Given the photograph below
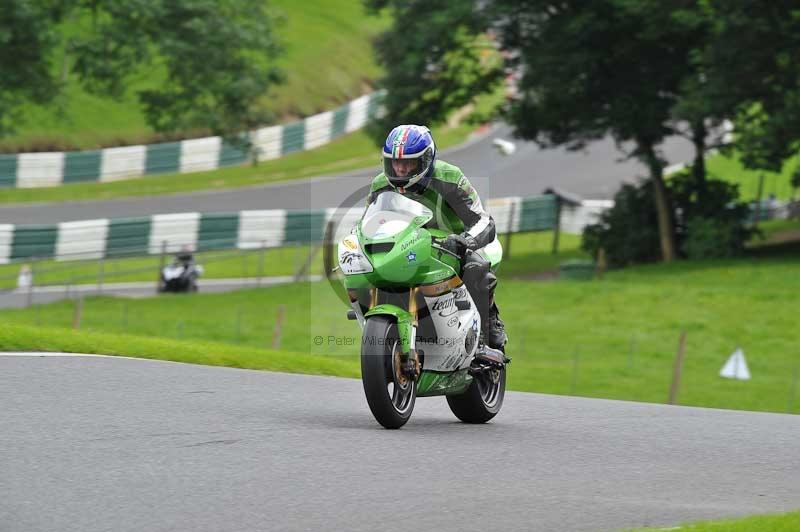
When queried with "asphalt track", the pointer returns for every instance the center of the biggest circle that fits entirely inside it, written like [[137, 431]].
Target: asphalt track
[[595, 173], [99, 443]]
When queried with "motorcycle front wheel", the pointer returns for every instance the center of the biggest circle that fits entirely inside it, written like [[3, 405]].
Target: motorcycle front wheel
[[390, 394]]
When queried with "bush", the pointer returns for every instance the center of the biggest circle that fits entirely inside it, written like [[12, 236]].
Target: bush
[[709, 223], [629, 230], [707, 238]]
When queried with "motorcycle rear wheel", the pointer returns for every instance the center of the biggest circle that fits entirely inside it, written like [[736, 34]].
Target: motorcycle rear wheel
[[482, 400], [390, 396]]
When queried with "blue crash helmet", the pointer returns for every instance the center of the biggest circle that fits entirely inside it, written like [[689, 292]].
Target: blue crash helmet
[[410, 143]]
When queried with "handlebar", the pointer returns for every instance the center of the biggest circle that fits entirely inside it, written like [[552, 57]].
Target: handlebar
[[435, 245]]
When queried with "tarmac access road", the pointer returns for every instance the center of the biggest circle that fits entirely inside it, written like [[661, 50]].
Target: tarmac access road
[[595, 173]]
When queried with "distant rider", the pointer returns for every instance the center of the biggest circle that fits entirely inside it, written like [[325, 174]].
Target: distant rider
[[185, 258]]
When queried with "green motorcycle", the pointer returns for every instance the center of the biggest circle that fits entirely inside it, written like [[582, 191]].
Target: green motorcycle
[[421, 329]]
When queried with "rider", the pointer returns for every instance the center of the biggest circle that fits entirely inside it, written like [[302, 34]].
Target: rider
[[410, 167], [185, 257]]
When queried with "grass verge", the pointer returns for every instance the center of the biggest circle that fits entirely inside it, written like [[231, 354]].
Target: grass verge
[[788, 522], [54, 339]]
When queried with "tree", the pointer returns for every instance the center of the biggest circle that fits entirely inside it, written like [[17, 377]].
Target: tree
[[27, 42], [701, 105], [437, 59], [753, 56], [604, 67], [217, 56], [588, 69], [639, 70]]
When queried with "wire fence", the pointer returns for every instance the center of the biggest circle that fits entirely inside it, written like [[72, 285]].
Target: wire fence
[[72, 278]]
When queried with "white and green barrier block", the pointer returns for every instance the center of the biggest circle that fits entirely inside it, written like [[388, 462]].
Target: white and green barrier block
[[169, 233], [29, 170]]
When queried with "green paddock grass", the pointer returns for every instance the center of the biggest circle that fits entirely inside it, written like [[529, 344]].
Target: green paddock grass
[[615, 338], [329, 60], [729, 168], [350, 152], [776, 231], [530, 255], [788, 522]]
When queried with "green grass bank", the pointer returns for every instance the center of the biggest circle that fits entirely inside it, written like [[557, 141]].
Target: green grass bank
[[317, 80], [613, 338], [788, 522]]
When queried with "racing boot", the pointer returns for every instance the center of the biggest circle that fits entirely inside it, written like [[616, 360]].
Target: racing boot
[[494, 331]]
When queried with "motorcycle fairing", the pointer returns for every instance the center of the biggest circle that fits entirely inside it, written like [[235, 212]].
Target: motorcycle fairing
[[447, 350]]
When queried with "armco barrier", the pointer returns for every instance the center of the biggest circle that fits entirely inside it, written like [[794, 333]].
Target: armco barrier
[[28, 170], [93, 239]]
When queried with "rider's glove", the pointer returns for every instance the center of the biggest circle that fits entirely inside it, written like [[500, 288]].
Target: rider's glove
[[459, 244]]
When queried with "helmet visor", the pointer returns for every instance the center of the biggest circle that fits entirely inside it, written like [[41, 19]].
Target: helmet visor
[[400, 171], [407, 170]]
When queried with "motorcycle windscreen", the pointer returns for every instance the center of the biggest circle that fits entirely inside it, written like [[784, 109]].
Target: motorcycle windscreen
[[390, 214]]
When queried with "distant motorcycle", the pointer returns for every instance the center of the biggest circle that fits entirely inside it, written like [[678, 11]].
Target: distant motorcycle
[[179, 277]]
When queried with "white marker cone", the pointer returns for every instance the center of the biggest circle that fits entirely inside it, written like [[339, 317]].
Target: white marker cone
[[736, 367]]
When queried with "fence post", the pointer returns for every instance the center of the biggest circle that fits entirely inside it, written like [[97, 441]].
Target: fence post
[[557, 228], [510, 229], [29, 300], [101, 273], [304, 269], [631, 352], [574, 384], [261, 261], [602, 263], [77, 315], [276, 333], [677, 370], [758, 199], [238, 324], [161, 263]]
